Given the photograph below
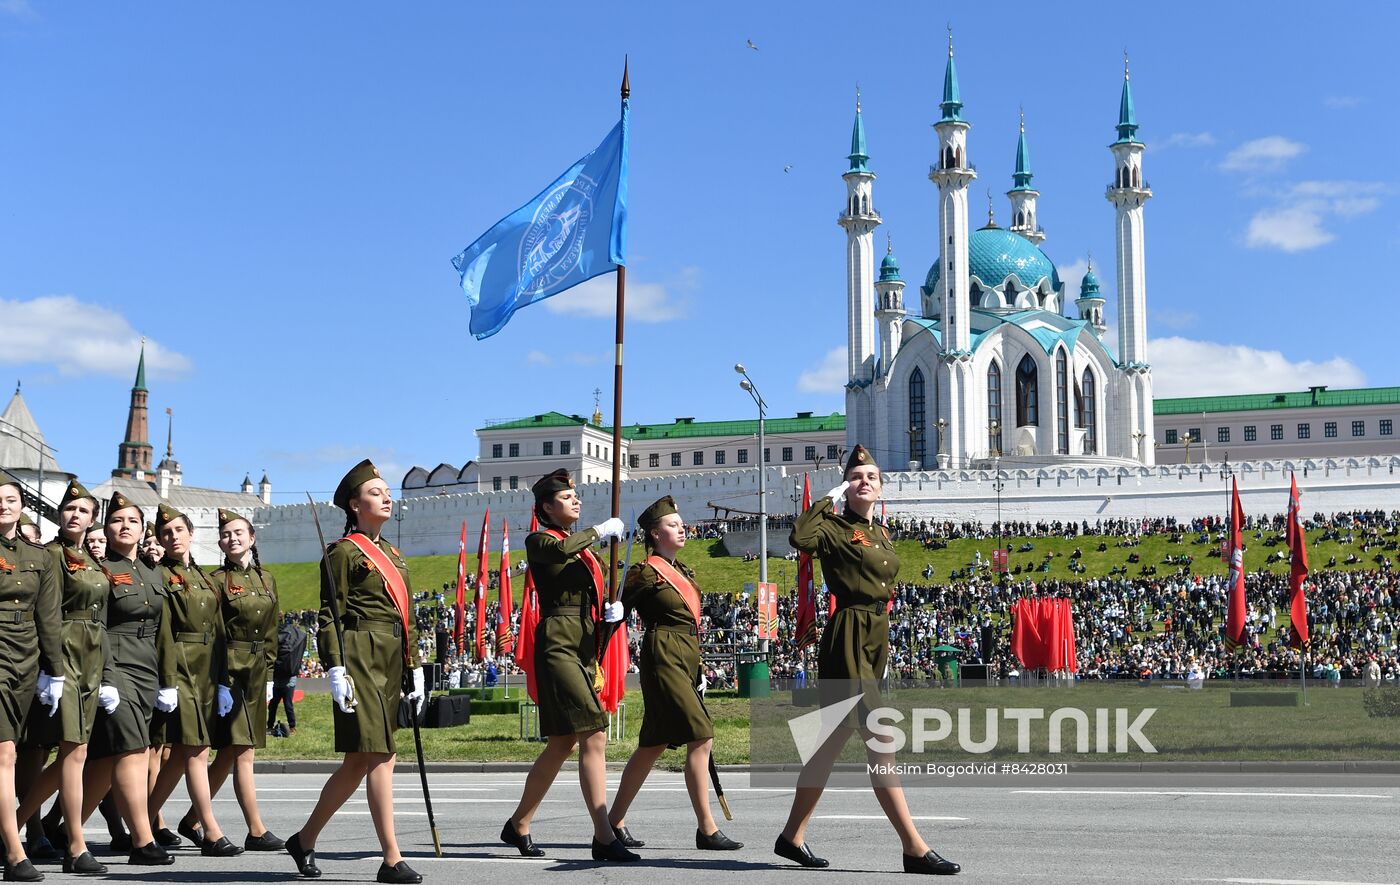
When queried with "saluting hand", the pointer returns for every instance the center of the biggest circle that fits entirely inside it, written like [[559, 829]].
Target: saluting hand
[[610, 528], [838, 493]]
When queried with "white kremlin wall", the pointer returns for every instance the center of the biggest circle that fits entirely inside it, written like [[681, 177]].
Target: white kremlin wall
[[432, 525]]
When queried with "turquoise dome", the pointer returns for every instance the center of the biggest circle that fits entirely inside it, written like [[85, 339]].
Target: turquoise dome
[[1089, 286], [889, 268], [995, 254]]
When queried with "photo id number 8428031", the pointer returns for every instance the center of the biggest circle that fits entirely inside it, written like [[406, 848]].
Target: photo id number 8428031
[[1014, 768]]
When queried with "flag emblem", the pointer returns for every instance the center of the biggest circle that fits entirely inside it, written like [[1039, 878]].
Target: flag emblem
[[553, 244]]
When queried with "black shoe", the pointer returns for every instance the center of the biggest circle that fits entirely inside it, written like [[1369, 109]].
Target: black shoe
[[798, 853], [222, 848], [521, 841], [626, 838], [187, 828], [121, 843], [167, 839], [56, 831], [614, 851], [23, 872], [716, 841], [84, 864], [400, 872], [306, 860], [930, 864], [150, 855], [42, 849], [265, 842]]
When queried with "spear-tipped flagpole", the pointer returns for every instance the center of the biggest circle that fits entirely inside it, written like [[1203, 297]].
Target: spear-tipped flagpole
[[613, 582]]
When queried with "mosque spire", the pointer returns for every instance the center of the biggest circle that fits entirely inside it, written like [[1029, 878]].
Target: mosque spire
[[1023, 175], [952, 96], [141, 368], [858, 155], [1127, 116]]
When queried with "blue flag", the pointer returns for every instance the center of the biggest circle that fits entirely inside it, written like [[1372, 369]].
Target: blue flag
[[572, 231]]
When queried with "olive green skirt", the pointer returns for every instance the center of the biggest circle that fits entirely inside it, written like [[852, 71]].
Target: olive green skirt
[[19, 674], [564, 667], [375, 661], [84, 655], [128, 728], [673, 713], [246, 726], [851, 657]]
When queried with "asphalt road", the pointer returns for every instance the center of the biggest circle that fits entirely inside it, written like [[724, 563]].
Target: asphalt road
[[1276, 829]]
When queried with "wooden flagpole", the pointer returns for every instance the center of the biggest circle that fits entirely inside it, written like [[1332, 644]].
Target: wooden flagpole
[[613, 582]]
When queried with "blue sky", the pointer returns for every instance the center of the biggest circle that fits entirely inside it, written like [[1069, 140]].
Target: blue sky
[[272, 194]]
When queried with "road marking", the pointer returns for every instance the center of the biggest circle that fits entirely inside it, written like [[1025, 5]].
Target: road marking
[[1248, 794], [880, 817], [1291, 882]]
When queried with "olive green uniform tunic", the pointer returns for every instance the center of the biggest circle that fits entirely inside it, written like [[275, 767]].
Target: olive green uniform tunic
[[565, 653], [374, 641], [83, 596], [30, 630], [140, 641], [859, 566], [198, 666], [250, 612], [673, 713]]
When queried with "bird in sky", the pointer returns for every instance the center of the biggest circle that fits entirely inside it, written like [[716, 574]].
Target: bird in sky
[[752, 45], [787, 168]]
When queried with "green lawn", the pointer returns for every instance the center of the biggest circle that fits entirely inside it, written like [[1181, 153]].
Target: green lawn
[[298, 583]]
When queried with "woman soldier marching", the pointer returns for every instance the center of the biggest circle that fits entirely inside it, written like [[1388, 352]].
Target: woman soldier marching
[[248, 596], [569, 581], [139, 640], [364, 580], [84, 587], [860, 566], [194, 680], [31, 650], [664, 593]]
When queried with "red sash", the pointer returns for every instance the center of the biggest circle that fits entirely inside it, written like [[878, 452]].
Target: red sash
[[679, 581], [393, 581], [594, 568]]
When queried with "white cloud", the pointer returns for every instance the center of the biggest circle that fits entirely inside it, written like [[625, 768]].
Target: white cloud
[[645, 302], [1189, 140], [1342, 102], [17, 8], [828, 376], [1072, 275], [78, 338], [538, 358], [1186, 367], [1296, 223], [1174, 319], [1267, 154]]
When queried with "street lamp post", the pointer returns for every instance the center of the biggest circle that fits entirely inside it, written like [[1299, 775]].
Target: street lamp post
[[749, 387]]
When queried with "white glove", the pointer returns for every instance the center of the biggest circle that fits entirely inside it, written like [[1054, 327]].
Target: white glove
[[108, 697], [837, 493], [269, 691], [55, 694], [225, 701], [167, 699], [41, 691], [612, 612], [418, 694], [611, 527], [341, 691]]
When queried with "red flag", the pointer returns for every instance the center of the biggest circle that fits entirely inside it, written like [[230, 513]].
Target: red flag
[[529, 617], [1298, 572], [804, 633], [1235, 612], [1026, 642], [459, 629], [617, 660], [504, 643], [483, 577]]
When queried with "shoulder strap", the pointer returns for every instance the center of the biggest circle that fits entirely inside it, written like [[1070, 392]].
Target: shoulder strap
[[393, 581], [673, 576], [595, 569]]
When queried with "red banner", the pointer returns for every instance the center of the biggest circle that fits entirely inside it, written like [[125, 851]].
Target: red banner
[[505, 644], [1298, 569], [459, 629], [1235, 635], [1042, 634], [529, 617], [999, 558], [483, 577], [804, 632]]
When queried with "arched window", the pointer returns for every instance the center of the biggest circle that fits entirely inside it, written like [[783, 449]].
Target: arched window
[[1020, 219], [865, 204], [1061, 402], [917, 416], [948, 157], [1137, 177], [994, 408], [1027, 393], [960, 158], [1089, 414]]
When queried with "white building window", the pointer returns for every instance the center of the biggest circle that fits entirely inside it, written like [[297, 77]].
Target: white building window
[[1358, 428]]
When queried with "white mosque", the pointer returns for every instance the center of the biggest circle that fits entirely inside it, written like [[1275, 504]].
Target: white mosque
[[985, 365]]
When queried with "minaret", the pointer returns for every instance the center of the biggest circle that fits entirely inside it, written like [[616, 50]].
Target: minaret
[[1023, 195], [889, 293], [1128, 193], [134, 454], [247, 485], [1090, 301], [859, 220], [953, 173], [265, 489]]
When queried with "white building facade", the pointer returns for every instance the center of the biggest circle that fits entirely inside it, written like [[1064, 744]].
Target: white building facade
[[985, 366]]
